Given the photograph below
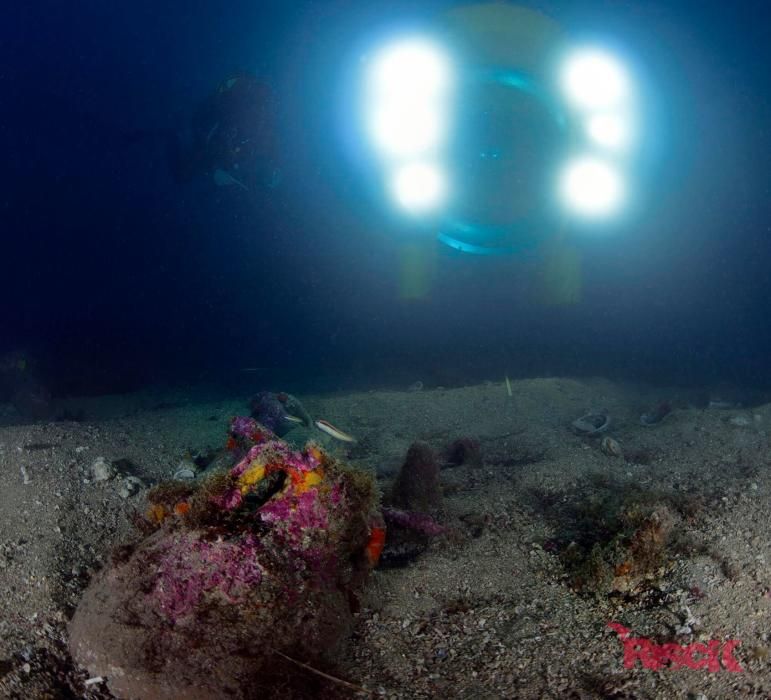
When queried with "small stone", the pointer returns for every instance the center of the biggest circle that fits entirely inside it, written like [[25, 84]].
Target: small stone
[[102, 470], [753, 486], [26, 668], [129, 486]]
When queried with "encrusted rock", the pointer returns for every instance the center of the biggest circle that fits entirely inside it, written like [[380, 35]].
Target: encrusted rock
[[237, 573]]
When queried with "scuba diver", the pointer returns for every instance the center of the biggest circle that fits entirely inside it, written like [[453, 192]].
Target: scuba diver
[[231, 137]]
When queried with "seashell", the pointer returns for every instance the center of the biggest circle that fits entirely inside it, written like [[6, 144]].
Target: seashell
[[186, 470], [611, 447], [592, 424]]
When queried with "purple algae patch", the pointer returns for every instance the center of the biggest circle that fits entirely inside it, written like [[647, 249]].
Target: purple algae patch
[[244, 426], [297, 513], [190, 568]]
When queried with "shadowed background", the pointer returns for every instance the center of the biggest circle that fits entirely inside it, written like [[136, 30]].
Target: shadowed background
[[115, 277]]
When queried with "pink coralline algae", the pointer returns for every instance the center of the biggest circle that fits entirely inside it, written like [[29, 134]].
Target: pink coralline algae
[[267, 555], [297, 514], [276, 451], [275, 448], [297, 522], [244, 427], [191, 568], [657, 657], [229, 500]]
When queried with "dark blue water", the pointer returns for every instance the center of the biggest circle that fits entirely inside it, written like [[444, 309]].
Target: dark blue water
[[113, 276]]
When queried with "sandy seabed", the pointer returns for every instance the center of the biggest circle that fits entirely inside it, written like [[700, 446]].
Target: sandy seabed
[[487, 611]]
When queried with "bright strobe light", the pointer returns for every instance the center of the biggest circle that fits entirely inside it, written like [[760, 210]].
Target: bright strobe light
[[410, 68], [419, 187], [406, 108], [610, 131], [594, 80], [403, 130], [591, 187]]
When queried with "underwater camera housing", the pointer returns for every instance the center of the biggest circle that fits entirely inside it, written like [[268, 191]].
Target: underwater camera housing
[[494, 133]]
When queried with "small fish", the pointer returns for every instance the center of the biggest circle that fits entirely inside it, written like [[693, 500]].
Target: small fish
[[508, 385], [293, 419], [329, 429]]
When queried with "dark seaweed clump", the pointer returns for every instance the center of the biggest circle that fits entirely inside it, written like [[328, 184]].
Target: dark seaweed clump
[[617, 539]]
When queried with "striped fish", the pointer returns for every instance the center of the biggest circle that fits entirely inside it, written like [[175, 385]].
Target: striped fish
[[329, 429]]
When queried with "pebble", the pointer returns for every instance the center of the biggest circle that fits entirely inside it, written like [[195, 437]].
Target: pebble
[[102, 470], [130, 486]]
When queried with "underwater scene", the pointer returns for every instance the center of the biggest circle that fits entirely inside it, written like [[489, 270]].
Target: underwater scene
[[399, 350]]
